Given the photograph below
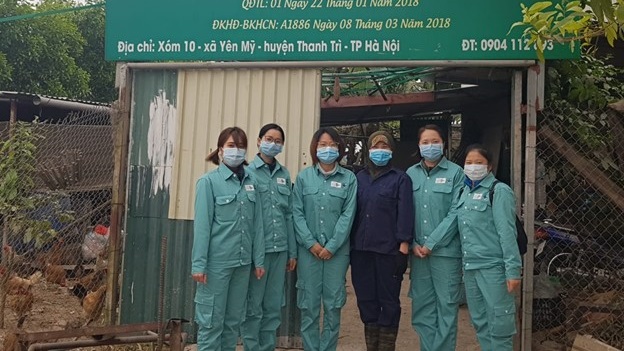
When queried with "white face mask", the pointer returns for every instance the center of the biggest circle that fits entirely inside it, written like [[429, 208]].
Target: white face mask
[[476, 172]]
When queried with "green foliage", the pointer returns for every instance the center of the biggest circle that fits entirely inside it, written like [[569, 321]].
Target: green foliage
[[570, 21], [102, 73], [577, 94], [42, 51], [59, 55], [18, 198]]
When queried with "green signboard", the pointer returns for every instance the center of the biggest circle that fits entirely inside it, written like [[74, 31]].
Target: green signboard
[[318, 30]]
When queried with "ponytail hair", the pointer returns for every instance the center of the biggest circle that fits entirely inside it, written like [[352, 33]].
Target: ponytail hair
[[239, 136]]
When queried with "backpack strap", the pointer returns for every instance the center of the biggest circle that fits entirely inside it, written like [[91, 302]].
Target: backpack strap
[[492, 191]]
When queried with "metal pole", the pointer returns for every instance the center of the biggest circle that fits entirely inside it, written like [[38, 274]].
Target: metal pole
[[516, 138], [516, 165], [91, 342], [121, 122], [529, 209], [161, 293], [323, 64], [177, 338]]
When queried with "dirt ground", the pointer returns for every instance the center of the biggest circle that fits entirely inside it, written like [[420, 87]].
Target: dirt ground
[[56, 309], [352, 330]]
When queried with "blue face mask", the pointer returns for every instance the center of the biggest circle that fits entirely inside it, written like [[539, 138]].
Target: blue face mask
[[380, 157], [327, 155], [270, 149], [431, 152], [233, 156]]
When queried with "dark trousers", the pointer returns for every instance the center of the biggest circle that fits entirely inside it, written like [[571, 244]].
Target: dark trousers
[[376, 288]]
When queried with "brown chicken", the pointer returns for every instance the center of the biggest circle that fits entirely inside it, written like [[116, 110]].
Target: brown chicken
[[93, 303], [21, 303], [15, 283], [94, 280], [53, 256], [20, 297], [55, 274]]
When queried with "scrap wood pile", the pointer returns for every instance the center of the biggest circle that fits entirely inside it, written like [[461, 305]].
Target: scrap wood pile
[[600, 316]]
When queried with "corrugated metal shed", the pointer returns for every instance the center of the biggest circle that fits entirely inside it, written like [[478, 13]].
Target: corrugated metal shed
[[211, 100], [154, 101], [176, 119]]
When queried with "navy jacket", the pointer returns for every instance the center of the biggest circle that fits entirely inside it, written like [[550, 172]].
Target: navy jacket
[[385, 212]]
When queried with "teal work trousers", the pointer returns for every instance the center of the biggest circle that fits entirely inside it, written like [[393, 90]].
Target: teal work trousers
[[264, 304], [492, 308], [319, 280], [435, 291], [220, 307]]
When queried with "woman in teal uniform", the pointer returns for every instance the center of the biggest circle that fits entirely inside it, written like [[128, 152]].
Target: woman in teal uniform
[[491, 258], [264, 304], [435, 280], [323, 212], [228, 239]]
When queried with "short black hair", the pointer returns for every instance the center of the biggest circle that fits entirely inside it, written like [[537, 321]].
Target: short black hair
[[270, 126], [434, 127], [335, 137], [481, 150]]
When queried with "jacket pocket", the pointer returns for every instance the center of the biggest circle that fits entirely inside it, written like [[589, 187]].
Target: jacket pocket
[[225, 208], [284, 198], [480, 206], [251, 196], [283, 190], [310, 190], [504, 323], [387, 195], [445, 188], [204, 311], [338, 193]]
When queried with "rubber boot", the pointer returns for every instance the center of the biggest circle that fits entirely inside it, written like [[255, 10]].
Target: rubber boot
[[371, 334], [387, 339]]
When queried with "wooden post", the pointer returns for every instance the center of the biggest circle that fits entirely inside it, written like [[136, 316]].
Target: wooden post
[[121, 124], [529, 206]]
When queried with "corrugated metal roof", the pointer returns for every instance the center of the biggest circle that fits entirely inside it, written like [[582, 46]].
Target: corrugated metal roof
[[211, 100], [52, 101]]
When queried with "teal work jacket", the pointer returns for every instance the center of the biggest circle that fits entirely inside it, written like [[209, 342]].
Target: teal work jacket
[[324, 208], [228, 228]]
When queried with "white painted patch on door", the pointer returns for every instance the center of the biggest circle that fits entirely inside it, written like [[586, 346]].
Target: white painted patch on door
[[161, 137]]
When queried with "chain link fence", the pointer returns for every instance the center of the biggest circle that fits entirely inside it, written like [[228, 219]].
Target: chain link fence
[[55, 220], [579, 230]]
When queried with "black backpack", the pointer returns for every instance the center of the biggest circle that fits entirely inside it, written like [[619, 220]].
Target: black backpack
[[521, 237]]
